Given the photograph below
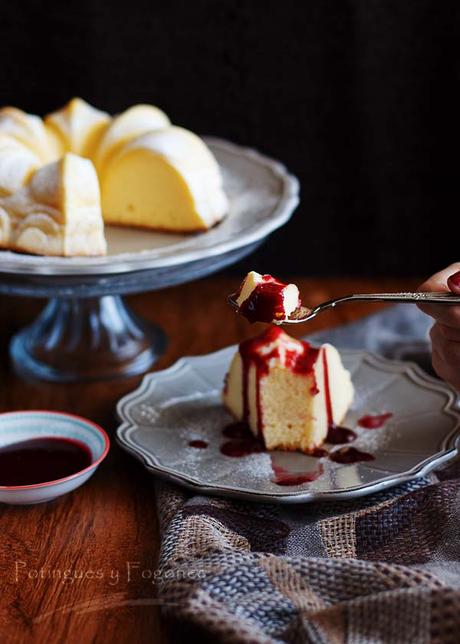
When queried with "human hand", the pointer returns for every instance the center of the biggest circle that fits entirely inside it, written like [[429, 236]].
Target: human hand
[[445, 333]]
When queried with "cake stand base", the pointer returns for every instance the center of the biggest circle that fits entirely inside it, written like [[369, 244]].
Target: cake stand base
[[95, 338]]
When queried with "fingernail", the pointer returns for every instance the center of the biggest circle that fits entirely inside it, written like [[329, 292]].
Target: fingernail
[[453, 281]]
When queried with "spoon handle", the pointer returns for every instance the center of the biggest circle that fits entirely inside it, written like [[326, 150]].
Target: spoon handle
[[431, 298], [417, 297]]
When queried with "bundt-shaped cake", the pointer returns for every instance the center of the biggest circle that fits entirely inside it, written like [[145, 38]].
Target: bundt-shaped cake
[[63, 176]]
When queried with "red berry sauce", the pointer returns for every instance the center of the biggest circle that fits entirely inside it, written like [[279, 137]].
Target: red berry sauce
[[374, 421], [266, 302], [41, 460], [350, 455], [284, 477], [198, 444]]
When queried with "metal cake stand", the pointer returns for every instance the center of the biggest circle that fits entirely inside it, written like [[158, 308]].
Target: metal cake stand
[[86, 331]]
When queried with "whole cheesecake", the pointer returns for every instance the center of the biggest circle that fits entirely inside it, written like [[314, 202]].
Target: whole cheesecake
[[287, 391], [149, 174]]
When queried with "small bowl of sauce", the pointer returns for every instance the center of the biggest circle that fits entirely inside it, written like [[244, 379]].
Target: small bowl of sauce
[[45, 454]]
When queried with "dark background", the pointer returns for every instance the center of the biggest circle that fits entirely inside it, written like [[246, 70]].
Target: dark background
[[358, 98]]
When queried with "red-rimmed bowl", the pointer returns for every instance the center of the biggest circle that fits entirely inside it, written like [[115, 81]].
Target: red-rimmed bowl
[[20, 426]]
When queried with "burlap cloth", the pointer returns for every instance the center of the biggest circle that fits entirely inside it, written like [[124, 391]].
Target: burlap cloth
[[385, 568]]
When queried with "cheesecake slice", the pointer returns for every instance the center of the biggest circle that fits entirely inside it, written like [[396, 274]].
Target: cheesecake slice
[[287, 391], [57, 212], [263, 298], [165, 180]]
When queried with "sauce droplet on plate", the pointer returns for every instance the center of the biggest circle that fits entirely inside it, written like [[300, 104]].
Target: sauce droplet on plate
[[241, 447], [350, 455], [337, 435], [198, 444], [41, 460], [237, 430], [317, 452], [374, 421], [284, 477], [244, 442]]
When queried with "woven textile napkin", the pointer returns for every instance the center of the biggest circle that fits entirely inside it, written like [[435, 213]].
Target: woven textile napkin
[[385, 568]]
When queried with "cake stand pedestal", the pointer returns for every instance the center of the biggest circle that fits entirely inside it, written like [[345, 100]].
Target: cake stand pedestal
[[86, 331], [86, 339]]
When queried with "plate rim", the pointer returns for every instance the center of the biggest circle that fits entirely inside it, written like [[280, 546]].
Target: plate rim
[[145, 260], [448, 450]]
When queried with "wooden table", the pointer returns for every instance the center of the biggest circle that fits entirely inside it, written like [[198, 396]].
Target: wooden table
[[80, 568]]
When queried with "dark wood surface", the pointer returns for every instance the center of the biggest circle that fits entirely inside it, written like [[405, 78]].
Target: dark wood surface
[[64, 565]]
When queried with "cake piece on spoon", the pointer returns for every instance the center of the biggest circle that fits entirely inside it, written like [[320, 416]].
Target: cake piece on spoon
[[263, 298], [287, 391]]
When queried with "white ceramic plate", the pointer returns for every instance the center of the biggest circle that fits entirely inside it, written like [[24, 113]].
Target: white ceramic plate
[[262, 196], [182, 403]]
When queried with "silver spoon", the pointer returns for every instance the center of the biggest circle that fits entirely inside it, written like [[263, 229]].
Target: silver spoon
[[303, 314]]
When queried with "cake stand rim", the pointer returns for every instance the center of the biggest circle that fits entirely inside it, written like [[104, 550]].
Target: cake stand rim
[[124, 284]]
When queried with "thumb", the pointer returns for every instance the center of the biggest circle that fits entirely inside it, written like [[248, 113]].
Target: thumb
[[453, 282]]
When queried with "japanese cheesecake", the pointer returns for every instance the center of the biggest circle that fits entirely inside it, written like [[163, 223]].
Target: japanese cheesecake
[[286, 390], [263, 298], [148, 174]]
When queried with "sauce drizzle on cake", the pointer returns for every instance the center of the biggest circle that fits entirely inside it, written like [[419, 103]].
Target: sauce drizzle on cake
[[266, 302], [252, 354]]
